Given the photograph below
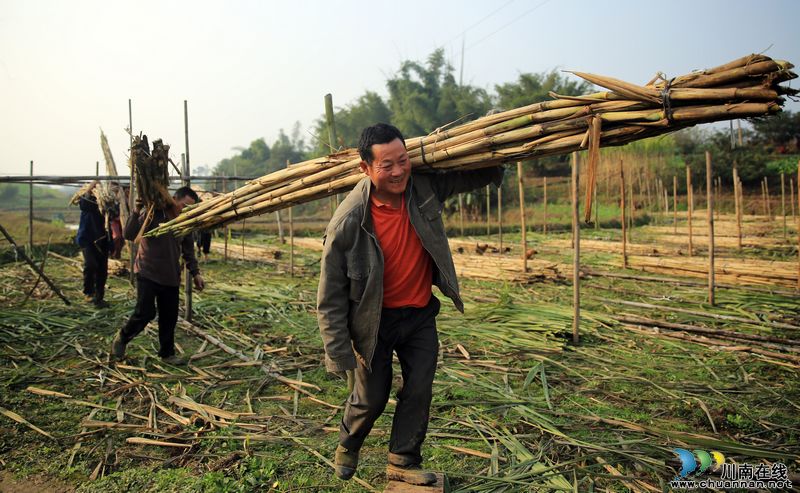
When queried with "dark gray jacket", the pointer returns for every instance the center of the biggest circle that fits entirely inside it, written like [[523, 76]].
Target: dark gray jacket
[[350, 294]]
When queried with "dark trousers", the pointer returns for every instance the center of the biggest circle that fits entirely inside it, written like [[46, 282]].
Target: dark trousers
[[95, 272], [411, 333], [204, 242], [148, 295]]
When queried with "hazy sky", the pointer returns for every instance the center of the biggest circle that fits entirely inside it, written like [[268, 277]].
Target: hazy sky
[[250, 68]]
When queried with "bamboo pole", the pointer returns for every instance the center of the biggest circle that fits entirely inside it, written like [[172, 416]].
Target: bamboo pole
[[798, 225], [522, 228], [738, 208], [488, 212], [291, 237], [783, 205], [187, 291], [623, 221], [30, 213], [461, 213], [767, 198], [674, 204], [632, 201], [332, 141], [596, 210], [576, 252], [544, 220], [227, 231], [131, 195], [791, 197], [500, 217], [710, 204], [689, 206]]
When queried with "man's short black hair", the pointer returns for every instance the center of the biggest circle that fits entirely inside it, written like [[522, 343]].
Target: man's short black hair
[[184, 191], [380, 133]]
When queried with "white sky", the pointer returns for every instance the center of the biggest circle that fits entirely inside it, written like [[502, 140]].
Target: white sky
[[249, 68]]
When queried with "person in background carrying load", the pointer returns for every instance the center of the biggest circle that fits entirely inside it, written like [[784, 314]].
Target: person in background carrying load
[[384, 248], [158, 278], [95, 245]]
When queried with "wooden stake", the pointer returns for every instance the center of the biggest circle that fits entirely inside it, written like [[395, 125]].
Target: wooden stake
[[131, 196], [689, 206], [623, 219], [488, 212], [544, 221], [791, 196], [766, 192], [738, 208], [783, 205], [461, 212], [674, 204], [500, 217], [30, 212], [576, 252], [187, 287], [226, 232], [520, 182], [291, 237], [710, 204]]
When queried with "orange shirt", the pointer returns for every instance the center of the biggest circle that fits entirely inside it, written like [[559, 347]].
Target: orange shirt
[[407, 266]]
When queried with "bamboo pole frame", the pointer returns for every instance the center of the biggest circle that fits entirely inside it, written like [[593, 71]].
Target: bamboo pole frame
[[522, 228], [737, 208], [689, 206], [488, 212], [783, 204], [291, 237], [710, 214], [30, 213], [185, 167], [544, 220], [500, 217], [461, 213], [674, 204], [576, 252], [623, 221]]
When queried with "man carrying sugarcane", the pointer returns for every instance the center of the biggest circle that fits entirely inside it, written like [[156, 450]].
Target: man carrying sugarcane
[[158, 277], [95, 245], [384, 249]]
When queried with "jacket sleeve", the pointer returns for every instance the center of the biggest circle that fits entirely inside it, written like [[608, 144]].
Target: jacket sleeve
[[333, 303], [455, 182], [189, 258], [133, 225]]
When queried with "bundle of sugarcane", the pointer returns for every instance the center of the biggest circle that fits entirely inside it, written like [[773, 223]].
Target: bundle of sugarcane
[[97, 191], [728, 271], [746, 87], [151, 169]]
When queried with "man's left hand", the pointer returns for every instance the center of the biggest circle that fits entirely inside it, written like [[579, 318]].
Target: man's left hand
[[199, 283]]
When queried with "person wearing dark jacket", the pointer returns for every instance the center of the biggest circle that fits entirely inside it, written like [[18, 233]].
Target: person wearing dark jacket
[[95, 245], [384, 249], [158, 277]]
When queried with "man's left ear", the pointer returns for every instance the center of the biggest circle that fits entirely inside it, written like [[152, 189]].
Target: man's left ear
[[363, 165]]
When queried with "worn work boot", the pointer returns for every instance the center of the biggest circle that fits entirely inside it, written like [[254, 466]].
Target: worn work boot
[[118, 348], [100, 304], [346, 462], [410, 474], [174, 360]]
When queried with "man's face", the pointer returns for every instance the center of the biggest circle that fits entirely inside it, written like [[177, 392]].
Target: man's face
[[183, 202], [390, 169]]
